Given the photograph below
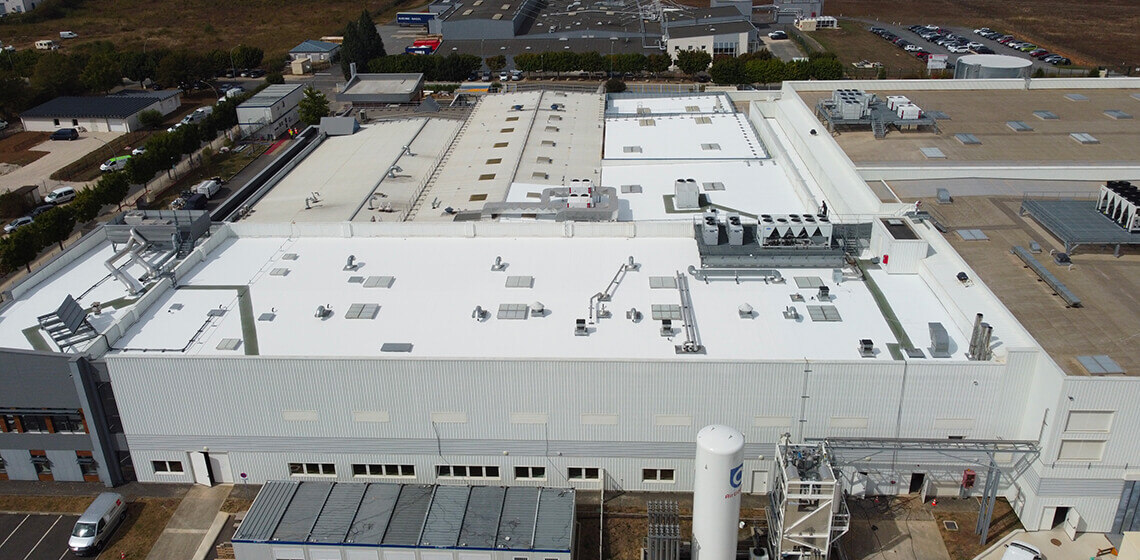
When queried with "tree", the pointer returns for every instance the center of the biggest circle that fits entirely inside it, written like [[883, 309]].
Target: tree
[[361, 44], [528, 62], [21, 249], [727, 71], [113, 187], [351, 50], [137, 66], [141, 168], [615, 85], [101, 74], [274, 78], [86, 205], [313, 106], [658, 62], [769, 71], [151, 118], [691, 62], [496, 63], [248, 57], [373, 43], [55, 225], [55, 75], [591, 62], [14, 94]]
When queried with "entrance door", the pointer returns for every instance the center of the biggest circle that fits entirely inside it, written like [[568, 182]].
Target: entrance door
[[925, 489], [1072, 523], [201, 468], [759, 482], [220, 468], [917, 480]]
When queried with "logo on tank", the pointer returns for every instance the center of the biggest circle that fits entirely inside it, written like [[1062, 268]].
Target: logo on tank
[[736, 476]]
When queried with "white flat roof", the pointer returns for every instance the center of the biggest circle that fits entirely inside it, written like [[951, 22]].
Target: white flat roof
[[751, 187], [634, 106], [437, 283], [384, 84], [346, 170], [692, 137]]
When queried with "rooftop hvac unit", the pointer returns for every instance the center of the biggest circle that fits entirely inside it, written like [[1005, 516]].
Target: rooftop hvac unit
[[710, 230], [909, 111], [794, 229], [686, 195], [893, 101], [735, 230]]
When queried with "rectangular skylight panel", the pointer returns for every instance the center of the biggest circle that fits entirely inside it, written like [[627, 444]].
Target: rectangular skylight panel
[[1018, 126], [665, 311]]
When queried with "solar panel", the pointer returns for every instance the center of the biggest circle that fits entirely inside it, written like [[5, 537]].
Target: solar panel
[[713, 186], [396, 347], [1046, 115], [289, 257], [279, 272], [362, 311], [379, 281], [938, 115], [932, 152], [1136, 96], [1019, 126], [968, 139], [1099, 364], [808, 282], [513, 311], [627, 189], [216, 312], [229, 344], [665, 311], [971, 235], [71, 314], [668, 282], [267, 317], [824, 313], [520, 281], [355, 279]]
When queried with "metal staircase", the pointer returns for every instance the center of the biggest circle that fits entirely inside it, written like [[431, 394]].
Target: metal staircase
[[879, 128]]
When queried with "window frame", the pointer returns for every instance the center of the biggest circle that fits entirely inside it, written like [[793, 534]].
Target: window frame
[[530, 472], [657, 475], [584, 474], [168, 466], [307, 468]]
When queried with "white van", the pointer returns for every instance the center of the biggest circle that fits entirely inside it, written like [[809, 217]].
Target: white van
[[46, 45], [209, 187], [68, 35], [60, 195], [1018, 550], [96, 525]]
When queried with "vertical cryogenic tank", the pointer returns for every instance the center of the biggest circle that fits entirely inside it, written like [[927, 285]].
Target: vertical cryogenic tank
[[716, 492]]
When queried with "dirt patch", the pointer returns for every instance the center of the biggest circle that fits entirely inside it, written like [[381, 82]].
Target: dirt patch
[[52, 504], [146, 519], [852, 42], [1096, 32], [21, 158], [22, 141], [963, 543], [236, 505]]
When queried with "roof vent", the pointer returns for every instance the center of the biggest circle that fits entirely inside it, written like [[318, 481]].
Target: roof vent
[[480, 314], [351, 263], [323, 312], [745, 311], [499, 265], [580, 328]]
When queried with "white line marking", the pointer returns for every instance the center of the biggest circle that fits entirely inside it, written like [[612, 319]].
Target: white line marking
[[43, 537], [65, 551], [14, 531]]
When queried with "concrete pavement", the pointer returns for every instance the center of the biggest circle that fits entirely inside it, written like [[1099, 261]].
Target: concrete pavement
[[1054, 544], [190, 524], [60, 153]]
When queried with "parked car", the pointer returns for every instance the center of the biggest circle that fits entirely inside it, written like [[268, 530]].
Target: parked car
[[957, 49], [138, 151], [1038, 53], [18, 223], [60, 195], [504, 76], [114, 164], [256, 73], [65, 134], [1018, 550], [40, 210], [1061, 61], [516, 75], [777, 35], [984, 50], [1028, 47], [974, 45], [486, 76], [68, 35]]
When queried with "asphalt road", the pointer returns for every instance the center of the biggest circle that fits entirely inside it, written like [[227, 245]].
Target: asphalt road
[[35, 537], [783, 49], [998, 48]]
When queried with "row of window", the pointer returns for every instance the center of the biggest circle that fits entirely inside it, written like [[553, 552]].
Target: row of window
[[43, 424], [445, 471], [43, 465]]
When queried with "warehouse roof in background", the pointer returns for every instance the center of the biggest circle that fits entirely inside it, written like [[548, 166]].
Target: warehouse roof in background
[[110, 106], [460, 517], [311, 46]]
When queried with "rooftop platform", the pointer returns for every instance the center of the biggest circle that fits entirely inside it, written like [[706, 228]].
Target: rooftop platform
[[748, 187], [417, 297], [270, 96], [985, 113], [371, 84], [633, 104], [346, 170], [698, 137], [1077, 222]]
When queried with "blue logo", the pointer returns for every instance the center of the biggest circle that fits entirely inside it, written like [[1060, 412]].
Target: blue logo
[[736, 476]]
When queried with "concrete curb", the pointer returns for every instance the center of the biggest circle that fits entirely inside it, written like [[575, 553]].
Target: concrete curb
[[208, 541], [1000, 543], [40, 513]]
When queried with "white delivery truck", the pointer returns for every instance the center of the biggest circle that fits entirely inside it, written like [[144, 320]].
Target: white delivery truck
[[209, 187], [96, 525]]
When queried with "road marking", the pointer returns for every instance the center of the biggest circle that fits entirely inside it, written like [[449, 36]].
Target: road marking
[[187, 531], [14, 531], [43, 537], [65, 551]]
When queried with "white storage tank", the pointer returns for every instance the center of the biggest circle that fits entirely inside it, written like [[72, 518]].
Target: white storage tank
[[716, 492], [975, 66]]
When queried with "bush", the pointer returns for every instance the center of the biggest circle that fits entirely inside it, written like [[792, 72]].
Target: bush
[[150, 118], [614, 85], [274, 78], [13, 205]]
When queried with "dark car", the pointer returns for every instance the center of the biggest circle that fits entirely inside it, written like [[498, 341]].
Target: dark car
[[65, 134], [1061, 61], [40, 209], [256, 73], [984, 50]]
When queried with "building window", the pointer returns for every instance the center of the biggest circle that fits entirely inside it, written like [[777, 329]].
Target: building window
[[41, 463], [584, 473], [34, 424], [87, 466], [360, 469], [1081, 450], [68, 423], [657, 475], [74, 122], [10, 424], [466, 471], [55, 122], [530, 473], [313, 469], [167, 467]]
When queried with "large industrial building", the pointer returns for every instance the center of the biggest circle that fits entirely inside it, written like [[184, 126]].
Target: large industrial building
[[561, 289]]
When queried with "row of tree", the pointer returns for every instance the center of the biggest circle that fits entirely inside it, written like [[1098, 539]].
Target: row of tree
[[451, 68], [755, 69], [30, 77]]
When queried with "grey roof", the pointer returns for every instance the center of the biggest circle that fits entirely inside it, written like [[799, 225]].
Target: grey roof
[[445, 519], [405, 529], [516, 526], [454, 517], [313, 46], [160, 94], [270, 95], [109, 106], [297, 523], [702, 30], [336, 517], [481, 524], [266, 511], [694, 15]]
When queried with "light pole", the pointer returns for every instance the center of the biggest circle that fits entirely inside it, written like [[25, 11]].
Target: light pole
[[233, 68]]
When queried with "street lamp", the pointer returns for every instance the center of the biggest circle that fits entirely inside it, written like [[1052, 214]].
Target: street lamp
[[233, 68]]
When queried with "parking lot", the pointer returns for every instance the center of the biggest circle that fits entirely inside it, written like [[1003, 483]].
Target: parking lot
[[968, 33], [59, 154], [35, 537]]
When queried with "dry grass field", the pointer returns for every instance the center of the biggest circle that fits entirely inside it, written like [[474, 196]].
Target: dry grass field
[[273, 25], [1091, 32]]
